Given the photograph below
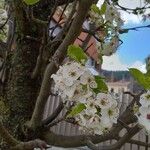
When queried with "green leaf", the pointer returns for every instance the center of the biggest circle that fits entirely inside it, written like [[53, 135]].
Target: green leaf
[[77, 53], [31, 2], [101, 85], [76, 110], [95, 9], [99, 11], [140, 77], [148, 74], [103, 8]]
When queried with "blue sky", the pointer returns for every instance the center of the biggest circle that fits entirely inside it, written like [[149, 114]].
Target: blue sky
[[136, 44]]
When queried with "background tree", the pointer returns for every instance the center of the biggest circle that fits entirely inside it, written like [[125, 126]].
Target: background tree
[[30, 55]]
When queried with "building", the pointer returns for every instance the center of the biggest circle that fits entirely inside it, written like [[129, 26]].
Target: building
[[119, 86], [56, 26]]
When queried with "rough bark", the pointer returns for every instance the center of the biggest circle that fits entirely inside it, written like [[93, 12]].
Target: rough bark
[[21, 90]]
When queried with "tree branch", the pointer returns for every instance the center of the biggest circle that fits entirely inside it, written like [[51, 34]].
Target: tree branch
[[53, 115], [3, 49], [74, 141], [49, 2], [133, 29], [119, 143], [38, 65], [138, 143], [6, 136], [31, 145], [59, 55], [127, 117]]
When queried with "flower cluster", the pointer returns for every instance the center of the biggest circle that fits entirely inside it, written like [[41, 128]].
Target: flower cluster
[[100, 114], [75, 83], [108, 48], [143, 113], [110, 24]]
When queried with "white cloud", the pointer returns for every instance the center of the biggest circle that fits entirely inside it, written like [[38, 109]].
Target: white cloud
[[130, 18], [131, 3], [114, 63], [139, 65]]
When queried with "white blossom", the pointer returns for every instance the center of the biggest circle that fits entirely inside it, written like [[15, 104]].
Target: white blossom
[[88, 79], [111, 113], [145, 99], [71, 73], [104, 100], [144, 122], [74, 83], [143, 112]]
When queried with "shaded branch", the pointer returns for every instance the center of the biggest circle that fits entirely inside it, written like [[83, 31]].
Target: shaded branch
[[31, 145], [124, 125], [130, 93], [3, 49], [17, 145], [131, 9], [38, 65], [133, 29], [119, 143], [55, 122], [140, 143], [60, 18], [53, 115], [44, 3], [59, 55], [93, 34], [7, 136], [74, 141]]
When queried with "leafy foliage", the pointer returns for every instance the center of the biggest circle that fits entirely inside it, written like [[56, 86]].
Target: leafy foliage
[[101, 85], [31, 2], [77, 109], [141, 78], [101, 11], [76, 53], [103, 8]]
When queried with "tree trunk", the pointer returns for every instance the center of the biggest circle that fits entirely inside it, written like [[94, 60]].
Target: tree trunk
[[21, 89]]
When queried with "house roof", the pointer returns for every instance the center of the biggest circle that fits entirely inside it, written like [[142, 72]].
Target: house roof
[[91, 51]]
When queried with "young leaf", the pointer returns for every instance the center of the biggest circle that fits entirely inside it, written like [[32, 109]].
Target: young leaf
[[31, 2], [76, 110], [103, 8], [101, 85], [95, 9], [76, 53], [99, 11], [140, 77]]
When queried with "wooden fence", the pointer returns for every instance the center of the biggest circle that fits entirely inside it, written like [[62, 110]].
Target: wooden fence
[[68, 129]]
